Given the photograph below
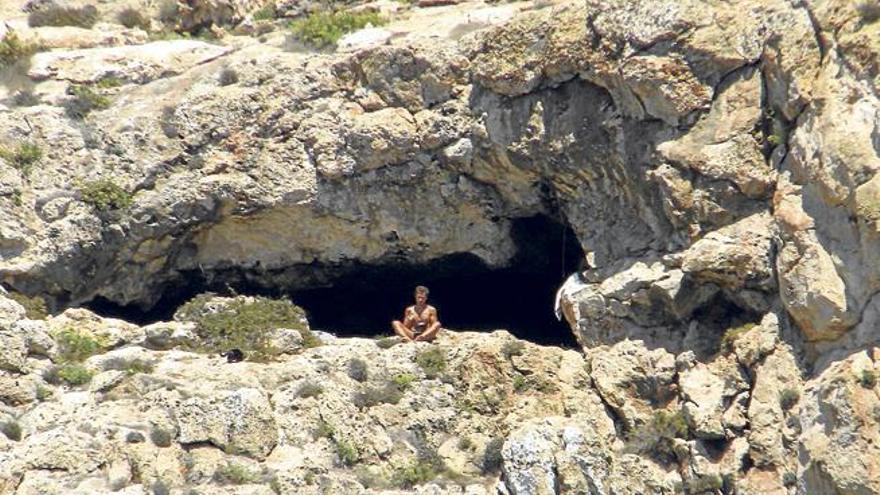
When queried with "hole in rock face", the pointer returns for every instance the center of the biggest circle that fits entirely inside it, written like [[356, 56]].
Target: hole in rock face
[[468, 295]]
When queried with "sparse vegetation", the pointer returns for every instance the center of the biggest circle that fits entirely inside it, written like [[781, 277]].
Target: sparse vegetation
[[84, 100], [25, 97], [135, 437], [44, 393], [705, 484], [322, 29], [168, 11], [11, 429], [432, 362], [34, 307], [357, 370], [73, 374], [413, 474], [109, 82], [160, 436], [372, 396], [512, 348], [324, 430], [131, 366], [465, 443], [160, 488], [244, 324], [656, 437], [267, 13], [867, 378], [75, 346], [235, 474], [104, 195], [13, 49], [403, 381], [788, 397], [309, 389], [492, 458], [732, 334], [387, 342], [57, 15], [869, 10], [348, 454], [23, 157], [774, 139], [789, 478], [131, 17], [519, 383], [227, 76]]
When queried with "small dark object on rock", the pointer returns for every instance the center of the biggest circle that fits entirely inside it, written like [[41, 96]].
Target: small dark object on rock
[[233, 355]]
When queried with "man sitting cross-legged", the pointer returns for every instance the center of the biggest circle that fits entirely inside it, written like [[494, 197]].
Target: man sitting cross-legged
[[420, 323]]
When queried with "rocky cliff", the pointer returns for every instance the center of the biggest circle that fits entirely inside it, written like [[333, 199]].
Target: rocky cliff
[[716, 162]]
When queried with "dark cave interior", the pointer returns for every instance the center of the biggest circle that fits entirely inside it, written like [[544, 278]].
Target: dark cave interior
[[468, 295]]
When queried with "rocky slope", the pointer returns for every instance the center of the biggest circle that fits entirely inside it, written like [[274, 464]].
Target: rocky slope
[[717, 163]]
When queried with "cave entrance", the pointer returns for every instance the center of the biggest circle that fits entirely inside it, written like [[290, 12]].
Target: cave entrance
[[468, 295], [363, 299]]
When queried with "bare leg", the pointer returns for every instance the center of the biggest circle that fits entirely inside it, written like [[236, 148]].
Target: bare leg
[[430, 333], [401, 330]]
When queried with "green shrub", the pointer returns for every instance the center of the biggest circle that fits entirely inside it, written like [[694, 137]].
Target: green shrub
[[492, 458], [57, 15], [403, 381], [869, 10], [324, 430], [34, 307], [84, 100], [131, 17], [732, 334], [788, 397], [867, 378], [75, 346], [323, 29], [44, 393], [11, 429], [131, 366], [160, 436], [25, 97], [432, 362], [227, 76], [105, 195], [357, 370], [348, 454], [372, 396], [413, 474], [244, 324], [109, 82], [13, 49], [519, 383], [387, 342], [705, 484], [465, 443], [267, 13], [235, 474], [23, 157], [72, 374], [656, 437], [512, 348], [309, 389]]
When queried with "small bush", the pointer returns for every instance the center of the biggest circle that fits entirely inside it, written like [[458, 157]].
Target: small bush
[[867, 378], [465, 443], [324, 430], [711, 484], [25, 97], [135, 437], [372, 396], [869, 10], [492, 458], [519, 383], [72, 374], [13, 49], [323, 29], [130, 366], [131, 17], [227, 76], [104, 195], [432, 362], [11, 429], [512, 348], [109, 82], [656, 438], [309, 389], [357, 370], [160, 488], [348, 454], [788, 397], [267, 13], [160, 436], [34, 307], [403, 381], [84, 101], [415, 473], [56, 15], [168, 11], [789, 479], [387, 342], [44, 393], [732, 334], [23, 157], [76, 346], [235, 474], [243, 324]]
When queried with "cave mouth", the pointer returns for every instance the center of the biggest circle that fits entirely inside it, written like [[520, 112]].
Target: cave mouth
[[362, 300]]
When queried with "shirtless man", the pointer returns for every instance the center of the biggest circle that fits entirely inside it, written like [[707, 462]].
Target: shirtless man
[[420, 323]]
